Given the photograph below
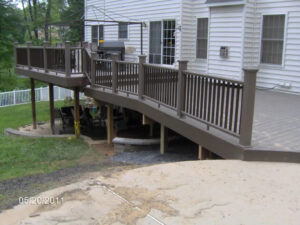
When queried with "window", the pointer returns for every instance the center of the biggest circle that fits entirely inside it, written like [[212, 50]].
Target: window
[[202, 34], [272, 39], [123, 30], [97, 33], [169, 42]]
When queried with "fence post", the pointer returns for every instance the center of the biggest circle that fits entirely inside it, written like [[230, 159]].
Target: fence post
[[15, 53], [93, 68], [67, 58], [248, 101], [14, 92], [46, 44], [114, 71], [142, 61], [28, 54], [181, 85]]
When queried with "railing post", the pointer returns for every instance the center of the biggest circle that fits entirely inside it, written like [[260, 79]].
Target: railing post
[[181, 85], [114, 70], [67, 58], [84, 47], [46, 44], [248, 101], [28, 54], [15, 53], [142, 60], [93, 68]]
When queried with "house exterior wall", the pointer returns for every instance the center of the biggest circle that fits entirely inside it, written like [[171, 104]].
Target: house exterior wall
[[133, 10], [237, 27]]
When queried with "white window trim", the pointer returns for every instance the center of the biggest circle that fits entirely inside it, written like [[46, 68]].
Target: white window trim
[[269, 65], [199, 60], [161, 45]]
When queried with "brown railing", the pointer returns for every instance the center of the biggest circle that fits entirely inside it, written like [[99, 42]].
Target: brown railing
[[127, 77], [160, 84], [103, 73], [37, 57], [87, 64], [56, 59], [214, 100], [21, 56], [76, 60]]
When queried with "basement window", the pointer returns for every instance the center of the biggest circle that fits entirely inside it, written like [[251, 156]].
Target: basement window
[[202, 34], [123, 30], [272, 39]]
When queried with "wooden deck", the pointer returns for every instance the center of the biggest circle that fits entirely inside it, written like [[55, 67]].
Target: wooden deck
[[214, 112]]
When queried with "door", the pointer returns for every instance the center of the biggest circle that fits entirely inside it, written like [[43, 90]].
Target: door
[[155, 42]]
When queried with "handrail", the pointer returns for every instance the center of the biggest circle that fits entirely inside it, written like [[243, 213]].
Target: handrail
[[218, 102]]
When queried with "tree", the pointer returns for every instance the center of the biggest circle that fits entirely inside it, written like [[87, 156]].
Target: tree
[[11, 30]]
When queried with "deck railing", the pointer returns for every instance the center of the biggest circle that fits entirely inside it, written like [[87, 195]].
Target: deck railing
[[224, 104]]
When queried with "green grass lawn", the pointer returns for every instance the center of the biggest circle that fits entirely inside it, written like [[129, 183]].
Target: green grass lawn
[[25, 156]]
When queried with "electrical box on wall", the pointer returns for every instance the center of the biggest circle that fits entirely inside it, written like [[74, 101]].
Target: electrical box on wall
[[224, 51]]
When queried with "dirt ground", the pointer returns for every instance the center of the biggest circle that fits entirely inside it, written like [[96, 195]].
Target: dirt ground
[[192, 192]]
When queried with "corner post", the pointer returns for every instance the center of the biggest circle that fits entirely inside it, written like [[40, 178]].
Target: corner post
[[181, 85], [142, 61], [33, 108], [76, 113], [46, 45], [16, 53], [51, 102], [29, 44], [248, 101], [114, 66], [93, 68], [67, 58], [84, 46]]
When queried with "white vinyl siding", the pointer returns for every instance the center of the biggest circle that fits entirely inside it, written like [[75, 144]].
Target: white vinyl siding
[[272, 39], [133, 10]]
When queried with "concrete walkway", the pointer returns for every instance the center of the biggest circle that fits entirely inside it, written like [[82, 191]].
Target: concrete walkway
[[197, 192], [276, 121]]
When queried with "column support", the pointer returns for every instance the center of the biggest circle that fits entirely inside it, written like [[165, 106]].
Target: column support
[[33, 108], [76, 113], [110, 124], [51, 101]]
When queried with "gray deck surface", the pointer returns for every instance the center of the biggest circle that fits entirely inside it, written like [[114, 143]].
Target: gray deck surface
[[276, 121]]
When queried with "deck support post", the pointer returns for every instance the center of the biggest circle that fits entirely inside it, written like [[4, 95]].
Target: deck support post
[[142, 61], [33, 108], [248, 102], [67, 58], [28, 54], [163, 139], [46, 45], [114, 66], [203, 153], [76, 113], [110, 124], [51, 101], [181, 86]]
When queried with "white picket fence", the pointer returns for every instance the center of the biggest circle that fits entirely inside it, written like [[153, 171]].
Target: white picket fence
[[41, 94]]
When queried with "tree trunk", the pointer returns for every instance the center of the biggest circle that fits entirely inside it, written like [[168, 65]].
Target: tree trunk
[[26, 20], [48, 14]]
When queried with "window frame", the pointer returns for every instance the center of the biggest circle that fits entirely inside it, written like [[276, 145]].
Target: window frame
[[127, 36], [270, 65], [196, 40], [98, 32]]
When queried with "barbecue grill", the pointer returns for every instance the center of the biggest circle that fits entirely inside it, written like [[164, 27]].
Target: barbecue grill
[[107, 48]]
